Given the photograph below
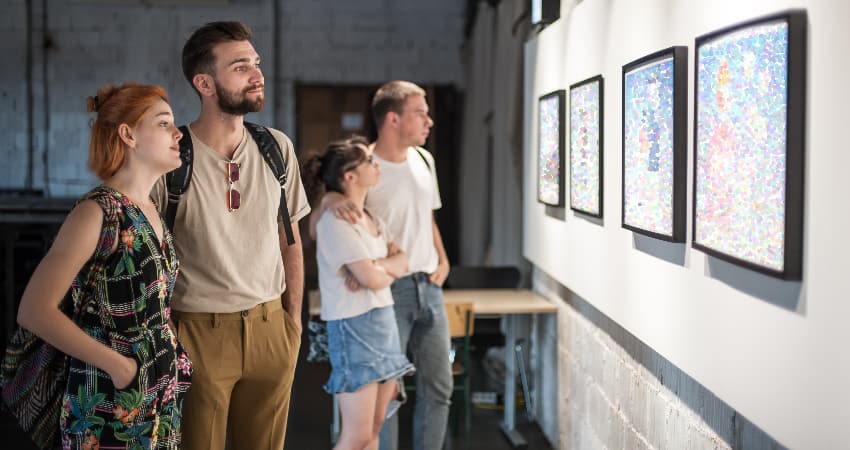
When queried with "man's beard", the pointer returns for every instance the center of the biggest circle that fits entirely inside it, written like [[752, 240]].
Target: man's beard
[[230, 103]]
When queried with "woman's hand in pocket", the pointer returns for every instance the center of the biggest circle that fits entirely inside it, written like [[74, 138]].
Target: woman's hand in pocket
[[124, 372]]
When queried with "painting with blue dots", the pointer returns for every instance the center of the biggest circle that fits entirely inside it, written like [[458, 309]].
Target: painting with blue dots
[[655, 144], [748, 143]]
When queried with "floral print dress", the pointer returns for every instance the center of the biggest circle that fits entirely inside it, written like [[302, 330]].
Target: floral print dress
[[125, 290]]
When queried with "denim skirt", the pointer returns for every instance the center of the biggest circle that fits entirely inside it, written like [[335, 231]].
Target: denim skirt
[[365, 349]]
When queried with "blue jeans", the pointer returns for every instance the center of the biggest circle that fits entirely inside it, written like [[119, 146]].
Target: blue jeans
[[424, 333]]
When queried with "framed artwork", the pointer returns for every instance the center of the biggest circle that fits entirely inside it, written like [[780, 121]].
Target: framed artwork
[[550, 148], [655, 144], [586, 146], [749, 114]]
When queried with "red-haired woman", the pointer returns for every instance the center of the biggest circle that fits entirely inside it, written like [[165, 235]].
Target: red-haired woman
[[127, 370]]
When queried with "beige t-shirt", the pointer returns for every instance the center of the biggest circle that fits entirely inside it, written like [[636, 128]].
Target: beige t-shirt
[[230, 260]]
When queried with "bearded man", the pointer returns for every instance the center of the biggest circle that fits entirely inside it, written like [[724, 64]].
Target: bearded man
[[235, 308]]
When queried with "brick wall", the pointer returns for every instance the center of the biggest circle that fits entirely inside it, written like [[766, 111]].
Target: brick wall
[[13, 95], [372, 41], [96, 42], [600, 387]]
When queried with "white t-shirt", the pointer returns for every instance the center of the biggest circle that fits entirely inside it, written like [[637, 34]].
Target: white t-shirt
[[404, 198], [339, 243]]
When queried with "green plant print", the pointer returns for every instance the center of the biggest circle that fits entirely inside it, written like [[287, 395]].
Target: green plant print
[[83, 409]]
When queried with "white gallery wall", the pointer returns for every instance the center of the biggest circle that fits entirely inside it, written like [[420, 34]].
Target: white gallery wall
[[776, 351]]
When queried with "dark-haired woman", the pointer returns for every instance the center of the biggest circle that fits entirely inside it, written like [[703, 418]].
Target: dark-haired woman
[[363, 341], [127, 371]]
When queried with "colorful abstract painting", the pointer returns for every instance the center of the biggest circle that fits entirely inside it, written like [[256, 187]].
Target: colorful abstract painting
[[742, 145], [586, 146], [550, 145], [654, 144]]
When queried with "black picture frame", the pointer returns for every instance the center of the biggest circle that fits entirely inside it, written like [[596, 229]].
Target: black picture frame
[[752, 209], [582, 181], [656, 205], [545, 125], [544, 12]]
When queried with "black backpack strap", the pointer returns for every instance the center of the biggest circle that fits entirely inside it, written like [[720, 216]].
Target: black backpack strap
[[270, 150], [422, 154], [177, 181]]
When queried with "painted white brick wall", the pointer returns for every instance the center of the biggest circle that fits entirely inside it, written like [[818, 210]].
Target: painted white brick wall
[[373, 40], [611, 391], [339, 41], [13, 99]]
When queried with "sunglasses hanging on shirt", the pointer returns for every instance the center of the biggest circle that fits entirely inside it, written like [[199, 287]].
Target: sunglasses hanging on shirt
[[233, 196]]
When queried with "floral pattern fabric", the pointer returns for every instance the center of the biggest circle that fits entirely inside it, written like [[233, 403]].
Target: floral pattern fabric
[[126, 295]]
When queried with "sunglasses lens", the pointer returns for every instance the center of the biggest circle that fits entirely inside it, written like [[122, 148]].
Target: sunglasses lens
[[232, 172], [233, 199]]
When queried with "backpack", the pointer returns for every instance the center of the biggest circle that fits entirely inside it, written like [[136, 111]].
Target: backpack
[[421, 151], [177, 181]]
